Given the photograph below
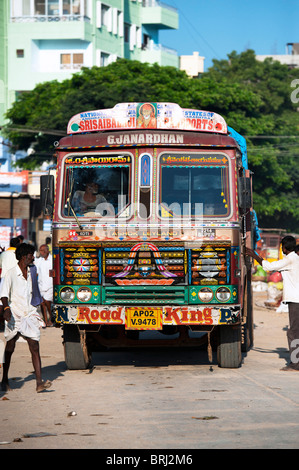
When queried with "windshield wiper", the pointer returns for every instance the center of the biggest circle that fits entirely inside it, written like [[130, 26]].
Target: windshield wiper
[[69, 205]]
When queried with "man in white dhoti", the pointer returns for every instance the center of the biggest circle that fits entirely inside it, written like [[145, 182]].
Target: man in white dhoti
[[20, 315]]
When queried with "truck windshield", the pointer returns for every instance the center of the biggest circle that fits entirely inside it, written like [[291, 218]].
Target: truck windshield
[[96, 191], [194, 190]]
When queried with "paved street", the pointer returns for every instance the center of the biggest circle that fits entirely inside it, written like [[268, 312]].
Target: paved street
[[156, 399]]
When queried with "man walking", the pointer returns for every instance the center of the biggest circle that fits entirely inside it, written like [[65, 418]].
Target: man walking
[[289, 268], [21, 317], [7, 261]]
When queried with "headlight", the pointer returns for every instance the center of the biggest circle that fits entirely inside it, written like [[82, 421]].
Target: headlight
[[205, 294], [223, 294], [67, 294], [84, 294]]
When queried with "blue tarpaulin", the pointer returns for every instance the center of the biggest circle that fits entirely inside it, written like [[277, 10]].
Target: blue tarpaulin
[[242, 143], [243, 147]]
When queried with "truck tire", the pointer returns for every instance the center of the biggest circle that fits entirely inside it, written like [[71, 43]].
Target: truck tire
[[76, 352], [229, 346]]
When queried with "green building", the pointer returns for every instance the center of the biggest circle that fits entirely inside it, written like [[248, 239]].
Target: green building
[[42, 40]]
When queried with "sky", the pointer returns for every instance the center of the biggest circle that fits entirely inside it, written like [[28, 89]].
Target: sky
[[215, 28]]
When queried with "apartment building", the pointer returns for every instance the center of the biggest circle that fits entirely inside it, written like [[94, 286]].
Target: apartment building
[[42, 40]]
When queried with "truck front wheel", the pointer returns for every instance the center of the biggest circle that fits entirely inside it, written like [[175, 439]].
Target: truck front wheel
[[229, 346], [76, 353]]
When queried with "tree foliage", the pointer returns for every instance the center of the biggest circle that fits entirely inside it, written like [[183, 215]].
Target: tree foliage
[[254, 97]]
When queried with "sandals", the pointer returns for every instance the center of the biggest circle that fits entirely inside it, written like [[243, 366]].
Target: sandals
[[44, 385]]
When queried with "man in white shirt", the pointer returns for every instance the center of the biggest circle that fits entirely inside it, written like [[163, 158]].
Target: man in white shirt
[[8, 257], [289, 268], [45, 283], [8, 260], [21, 317]]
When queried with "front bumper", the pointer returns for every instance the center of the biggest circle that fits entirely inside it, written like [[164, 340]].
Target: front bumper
[[187, 315]]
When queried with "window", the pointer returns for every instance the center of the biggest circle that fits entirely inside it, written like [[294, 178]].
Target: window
[[145, 42], [58, 7], [66, 7], [75, 7], [77, 60], [65, 61], [104, 14], [48, 9], [53, 7], [106, 17], [20, 8], [20, 53], [127, 33], [104, 59], [39, 7], [197, 190], [71, 61], [107, 188]]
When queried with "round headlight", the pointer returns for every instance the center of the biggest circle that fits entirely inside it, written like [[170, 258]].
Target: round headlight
[[67, 294], [84, 294], [223, 294], [205, 294]]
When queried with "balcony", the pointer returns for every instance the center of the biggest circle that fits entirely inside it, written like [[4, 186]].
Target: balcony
[[52, 27], [160, 54], [48, 18], [158, 13]]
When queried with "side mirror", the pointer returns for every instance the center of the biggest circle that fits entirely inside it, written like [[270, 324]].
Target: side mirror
[[245, 196], [47, 193]]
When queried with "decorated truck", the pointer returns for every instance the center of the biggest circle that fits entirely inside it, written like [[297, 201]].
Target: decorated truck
[[151, 212]]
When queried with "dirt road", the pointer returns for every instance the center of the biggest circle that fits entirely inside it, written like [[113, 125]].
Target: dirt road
[[155, 399]]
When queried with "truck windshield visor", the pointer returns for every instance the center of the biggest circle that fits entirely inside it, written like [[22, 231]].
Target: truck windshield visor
[[96, 191], [194, 185]]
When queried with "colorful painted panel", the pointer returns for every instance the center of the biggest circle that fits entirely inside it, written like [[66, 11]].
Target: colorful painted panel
[[79, 265], [145, 264], [210, 265]]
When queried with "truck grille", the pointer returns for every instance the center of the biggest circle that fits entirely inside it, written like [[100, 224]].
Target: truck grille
[[144, 295], [145, 263]]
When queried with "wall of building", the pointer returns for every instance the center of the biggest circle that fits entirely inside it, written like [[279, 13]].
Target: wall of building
[[43, 47]]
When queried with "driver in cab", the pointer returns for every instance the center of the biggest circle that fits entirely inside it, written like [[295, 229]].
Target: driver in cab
[[85, 202]]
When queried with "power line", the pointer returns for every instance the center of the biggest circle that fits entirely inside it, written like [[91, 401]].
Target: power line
[[196, 31], [284, 147], [34, 131], [270, 136]]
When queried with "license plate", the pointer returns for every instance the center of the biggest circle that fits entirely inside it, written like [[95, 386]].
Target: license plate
[[143, 318]]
